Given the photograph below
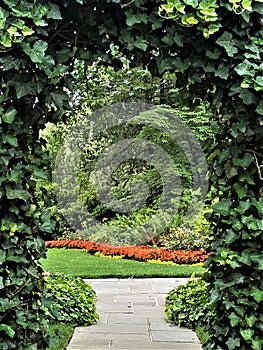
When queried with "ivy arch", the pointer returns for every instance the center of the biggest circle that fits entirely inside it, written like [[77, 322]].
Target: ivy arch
[[215, 50]]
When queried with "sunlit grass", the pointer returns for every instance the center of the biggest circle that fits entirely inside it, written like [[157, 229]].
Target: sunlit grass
[[76, 262]]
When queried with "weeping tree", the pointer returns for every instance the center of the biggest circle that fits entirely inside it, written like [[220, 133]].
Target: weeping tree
[[215, 50]]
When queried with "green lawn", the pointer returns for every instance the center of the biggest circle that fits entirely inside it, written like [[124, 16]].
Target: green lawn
[[76, 262], [64, 333]]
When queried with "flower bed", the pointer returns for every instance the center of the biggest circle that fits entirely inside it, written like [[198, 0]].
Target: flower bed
[[141, 252]]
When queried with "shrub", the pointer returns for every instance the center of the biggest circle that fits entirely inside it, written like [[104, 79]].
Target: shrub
[[194, 236], [184, 238], [188, 305], [69, 300]]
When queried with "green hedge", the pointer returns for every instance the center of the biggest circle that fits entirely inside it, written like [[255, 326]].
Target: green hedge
[[188, 305], [69, 300]]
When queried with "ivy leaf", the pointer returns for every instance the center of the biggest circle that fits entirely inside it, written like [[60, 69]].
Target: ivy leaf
[[33, 272], [189, 19], [141, 44], [231, 236], [2, 256], [37, 52], [222, 207], [259, 83], [247, 334], [254, 53], [247, 96], [233, 343], [63, 55], [17, 194], [16, 175], [5, 40], [57, 98], [234, 319], [243, 206], [214, 55], [226, 41], [135, 18], [222, 71], [7, 329], [11, 3], [193, 3], [231, 171], [12, 140], [9, 116], [240, 190], [165, 64], [39, 174], [259, 109], [54, 11], [47, 227], [213, 28], [245, 161], [180, 64], [3, 18], [23, 89], [246, 4], [26, 31], [258, 204], [257, 294], [246, 68], [9, 63], [251, 320]]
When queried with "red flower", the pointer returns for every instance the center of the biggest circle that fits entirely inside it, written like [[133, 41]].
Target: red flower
[[141, 252]]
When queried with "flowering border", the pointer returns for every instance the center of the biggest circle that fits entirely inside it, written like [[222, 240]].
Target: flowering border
[[140, 252]]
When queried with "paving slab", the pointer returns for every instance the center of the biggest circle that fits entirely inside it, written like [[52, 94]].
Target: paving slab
[[132, 317], [161, 326], [175, 335], [138, 345], [137, 300], [119, 328], [124, 307], [104, 317], [127, 319]]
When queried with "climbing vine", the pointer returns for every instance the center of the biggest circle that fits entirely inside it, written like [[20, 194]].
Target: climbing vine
[[214, 48], [32, 81], [234, 68]]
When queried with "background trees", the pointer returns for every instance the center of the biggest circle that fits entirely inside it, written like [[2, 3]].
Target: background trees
[[215, 50], [99, 86]]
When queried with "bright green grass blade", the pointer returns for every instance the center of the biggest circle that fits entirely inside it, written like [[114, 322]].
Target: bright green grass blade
[[78, 262]]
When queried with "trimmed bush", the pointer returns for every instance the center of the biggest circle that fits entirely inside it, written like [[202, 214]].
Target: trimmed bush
[[188, 305], [69, 300]]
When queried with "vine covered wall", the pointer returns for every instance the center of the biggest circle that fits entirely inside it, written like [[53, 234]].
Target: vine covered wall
[[32, 80], [215, 50]]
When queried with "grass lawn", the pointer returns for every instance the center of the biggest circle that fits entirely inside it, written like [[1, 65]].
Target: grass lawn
[[76, 262], [64, 333]]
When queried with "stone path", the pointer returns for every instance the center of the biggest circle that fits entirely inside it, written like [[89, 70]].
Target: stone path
[[132, 317]]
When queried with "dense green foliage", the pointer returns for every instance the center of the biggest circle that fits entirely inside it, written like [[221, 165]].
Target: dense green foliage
[[188, 305], [69, 299], [31, 82], [89, 266], [125, 174], [97, 86], [215, 50], [67, 302], [237, 180]]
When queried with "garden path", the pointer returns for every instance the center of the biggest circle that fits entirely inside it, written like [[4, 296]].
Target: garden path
[[132, 317]]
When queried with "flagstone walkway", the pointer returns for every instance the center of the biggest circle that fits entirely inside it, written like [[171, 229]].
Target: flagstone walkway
[[132, 317]]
